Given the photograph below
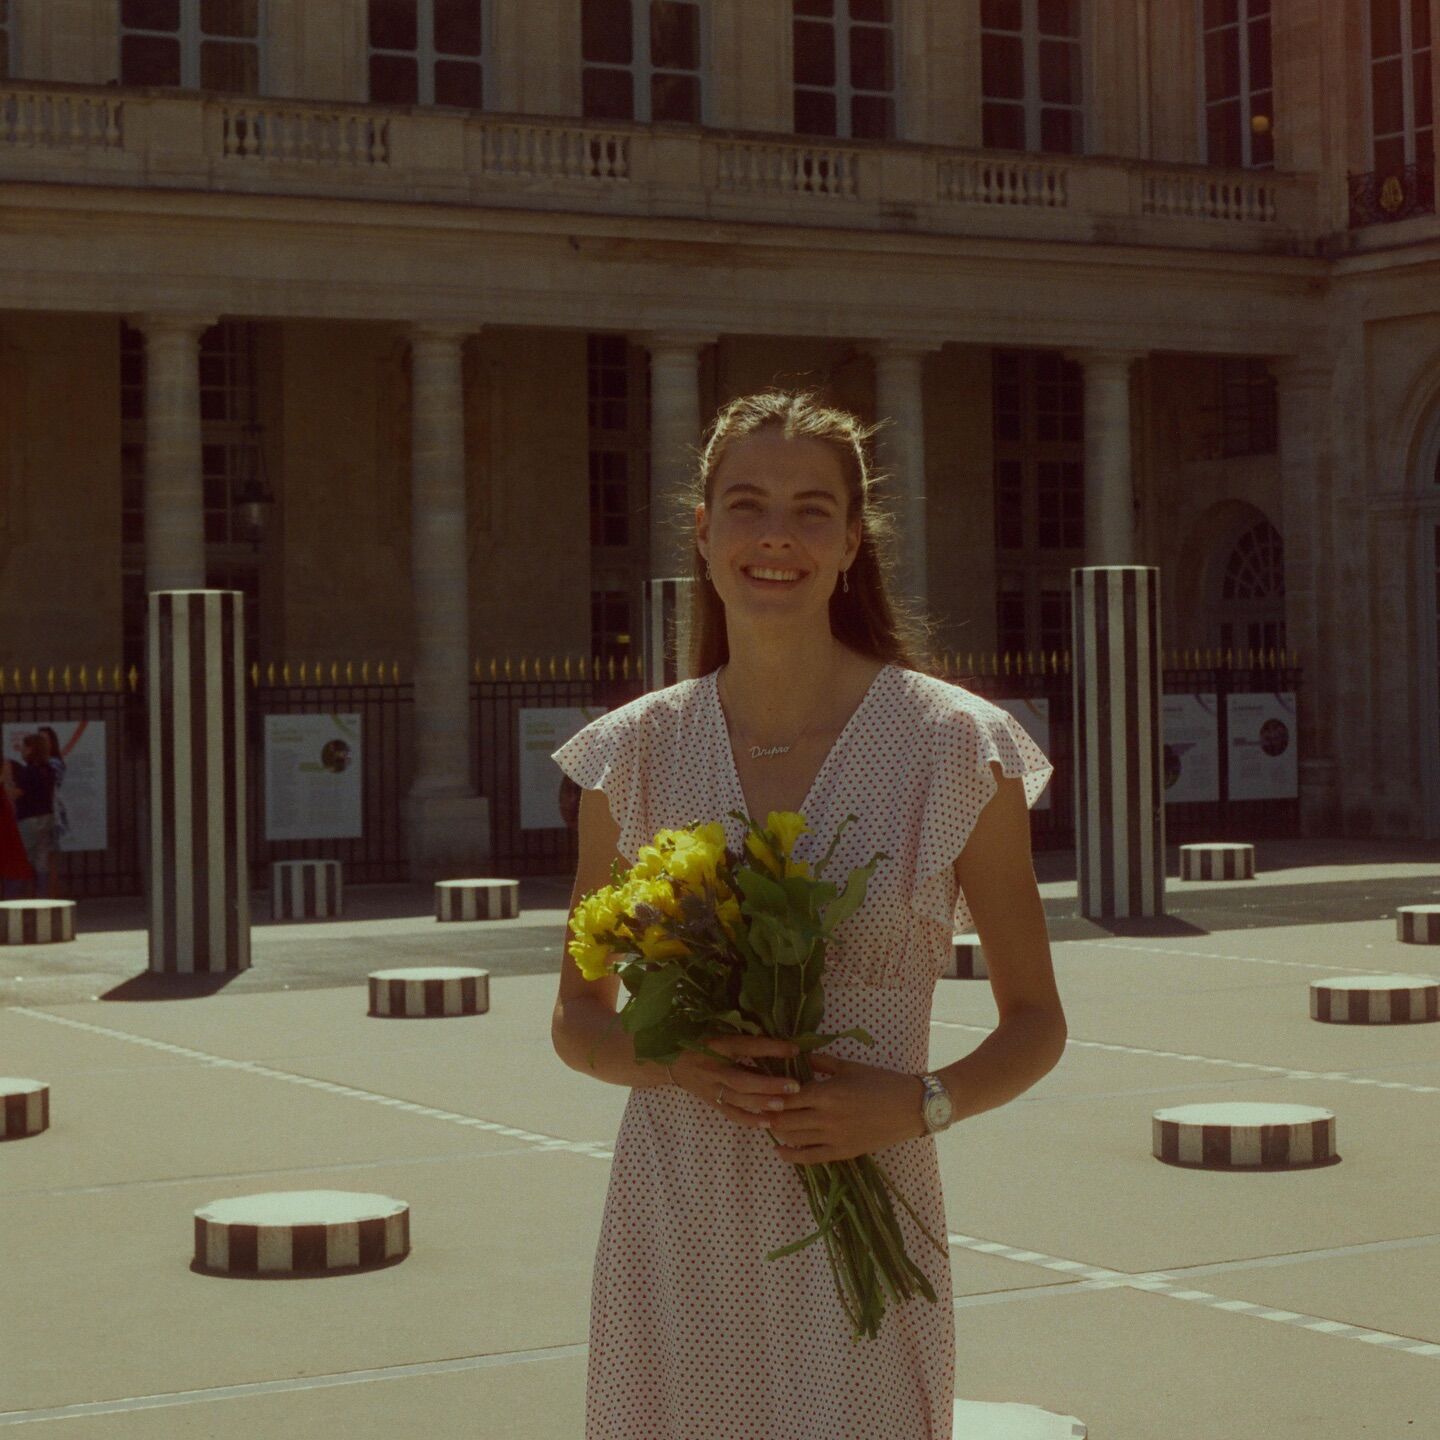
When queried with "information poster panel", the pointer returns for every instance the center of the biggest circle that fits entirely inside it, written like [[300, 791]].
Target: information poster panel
[[543, 731], [312, 777], [81, 818], [1034, 715], [1191, 727], [1263, 748]]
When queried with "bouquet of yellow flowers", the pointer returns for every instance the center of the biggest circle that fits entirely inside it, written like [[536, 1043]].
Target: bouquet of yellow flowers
[[707, 942]]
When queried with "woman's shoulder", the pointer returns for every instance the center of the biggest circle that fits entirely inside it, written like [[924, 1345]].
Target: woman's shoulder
[[936, 702], [652, 712]]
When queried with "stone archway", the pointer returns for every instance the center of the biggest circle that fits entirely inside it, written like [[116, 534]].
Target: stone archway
[[1234, 574]]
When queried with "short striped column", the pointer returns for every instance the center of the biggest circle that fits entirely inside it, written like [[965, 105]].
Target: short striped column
[[199, 870], [300, 1232], [477, 899], [1244, 1135], [1213, 861], [36, 922], [1375, 999], [423, 992], [24, 1108], [1418, 924], [667, 627], [967, 960], [1119, 786], [306, 889]]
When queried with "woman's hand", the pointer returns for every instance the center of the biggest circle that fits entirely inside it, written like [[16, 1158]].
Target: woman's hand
[[849, 1109], [743, 1093]]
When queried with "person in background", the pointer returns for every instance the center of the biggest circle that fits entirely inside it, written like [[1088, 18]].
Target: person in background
[[56, 761], [16, 874], [35, 808]]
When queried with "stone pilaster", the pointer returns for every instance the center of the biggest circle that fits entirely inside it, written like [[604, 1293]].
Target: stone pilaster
[[674, 436], [1109, 470], [174, 489], [448, 824], [900, 400]]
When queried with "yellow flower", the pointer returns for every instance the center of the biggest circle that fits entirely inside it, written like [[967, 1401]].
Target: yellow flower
[[797, 867], [761, 853], [786, 826], [596, 915], [659, 893], [649, 863], [655, 944], [697, 855], [728, 913], [591, 956]]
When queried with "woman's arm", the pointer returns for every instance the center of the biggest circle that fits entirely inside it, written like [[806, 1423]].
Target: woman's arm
[[997, 874], [585, 1025]]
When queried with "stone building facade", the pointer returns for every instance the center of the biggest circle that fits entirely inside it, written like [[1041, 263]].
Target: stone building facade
[[459, 282]]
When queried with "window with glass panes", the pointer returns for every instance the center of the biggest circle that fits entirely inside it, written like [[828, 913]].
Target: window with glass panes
[[1402, 119], [618, 389], [1038, 442], [1031, 76], [1249, 407], [1235, 45], [1252, 592], [428, 52], [6, 44], [642, 61], [843, 68], [229, 456], [193, 44]]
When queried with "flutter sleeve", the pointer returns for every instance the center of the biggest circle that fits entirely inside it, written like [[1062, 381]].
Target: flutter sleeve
[[605, 756], [963, 743]]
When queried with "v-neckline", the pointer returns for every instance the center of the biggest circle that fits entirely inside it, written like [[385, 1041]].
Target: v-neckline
[[724, 735]]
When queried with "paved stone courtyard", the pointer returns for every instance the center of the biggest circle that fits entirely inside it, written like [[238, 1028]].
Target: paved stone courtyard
[[1151, 1301]]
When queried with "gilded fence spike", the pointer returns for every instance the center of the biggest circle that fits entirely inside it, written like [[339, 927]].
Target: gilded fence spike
[[567, 666], [612, 667], [134, 678], [84, 679], [334, 672], [523, 664], [552, 667], [625, 666], [1229, 658], [349, 672], [285, 672], [475, 670], [507, 667], [254, 674], [640, 667]]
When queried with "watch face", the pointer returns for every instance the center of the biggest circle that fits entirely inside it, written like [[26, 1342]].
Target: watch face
[[937, 1111]]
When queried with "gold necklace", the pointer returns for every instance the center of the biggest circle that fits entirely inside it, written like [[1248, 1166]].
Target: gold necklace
[[766, 752]]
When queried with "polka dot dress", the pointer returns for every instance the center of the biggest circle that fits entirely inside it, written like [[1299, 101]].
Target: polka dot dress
[[694, 1335]]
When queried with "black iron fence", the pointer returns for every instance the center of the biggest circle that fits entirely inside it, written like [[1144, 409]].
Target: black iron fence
[[1396, 194], [499, 694]]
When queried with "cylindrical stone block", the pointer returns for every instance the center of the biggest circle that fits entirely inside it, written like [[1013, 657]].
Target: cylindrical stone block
[[1375, 999], [428, 991], [300, 1232], [1213, 861], [199, 866], [24, 1107], [1243, 1135], [668, 618], [1119, 784], [1418, 924], [967, 960], [306, 889], [477, 899], [36, 922]]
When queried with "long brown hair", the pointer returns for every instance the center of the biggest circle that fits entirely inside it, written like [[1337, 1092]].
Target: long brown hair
[[867, 618]]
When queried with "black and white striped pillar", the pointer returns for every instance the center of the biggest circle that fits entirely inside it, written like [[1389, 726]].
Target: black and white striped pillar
[[668, 618], [199, 870], [1119, 785], [306, 889]]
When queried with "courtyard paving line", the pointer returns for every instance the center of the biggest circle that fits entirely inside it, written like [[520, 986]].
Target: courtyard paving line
[[1146, 949], [532, 1138], [273, 1387], [1089, 1278], [125, 1186], [1287, 1072]]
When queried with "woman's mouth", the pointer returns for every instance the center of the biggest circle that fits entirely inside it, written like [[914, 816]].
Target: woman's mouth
[[772, 578]]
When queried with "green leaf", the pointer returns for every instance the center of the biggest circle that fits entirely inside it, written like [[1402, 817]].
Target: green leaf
[[819, 869], [812, 1010], [653, 1001], [852, 897], [762, 894], [659, 1042], [735, 1018]]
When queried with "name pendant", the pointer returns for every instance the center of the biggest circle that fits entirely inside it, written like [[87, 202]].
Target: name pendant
[[756, 753]]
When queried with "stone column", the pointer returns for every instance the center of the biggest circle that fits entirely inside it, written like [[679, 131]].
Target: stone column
[[1109, 476], [1304, 396], [448, 824], [899, 399], [674, 436], [174, 489]]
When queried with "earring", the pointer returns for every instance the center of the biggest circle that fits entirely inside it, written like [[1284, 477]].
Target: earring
[[845, 580], [707, 569]]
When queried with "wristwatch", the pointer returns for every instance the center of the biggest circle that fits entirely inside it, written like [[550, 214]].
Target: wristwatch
[[937, 1110]]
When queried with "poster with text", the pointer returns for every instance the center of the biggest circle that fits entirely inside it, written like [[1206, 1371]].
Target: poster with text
[[81, 818], [543, 731], [1190, 725], [1034, 715], [312, 777], [1263, 747]]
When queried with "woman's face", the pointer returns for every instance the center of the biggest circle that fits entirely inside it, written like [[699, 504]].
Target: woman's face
[[777, 507]]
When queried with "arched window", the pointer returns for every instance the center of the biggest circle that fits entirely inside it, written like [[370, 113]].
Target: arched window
[[1251, 610]]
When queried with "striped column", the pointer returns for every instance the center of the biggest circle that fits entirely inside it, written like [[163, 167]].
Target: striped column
[[306, 889], [1119, 789], [669, 608], [199, 868]]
